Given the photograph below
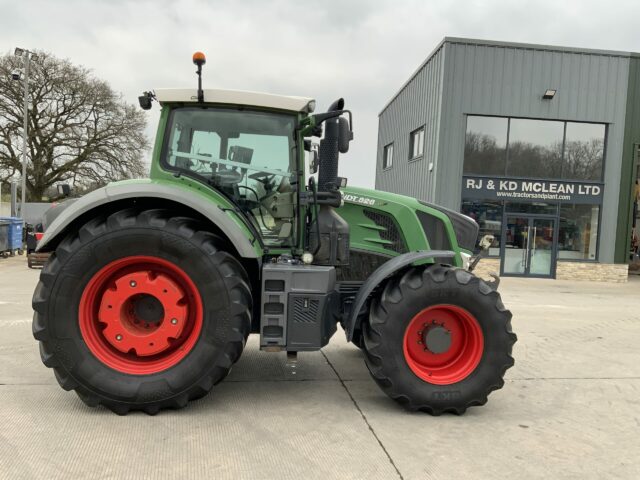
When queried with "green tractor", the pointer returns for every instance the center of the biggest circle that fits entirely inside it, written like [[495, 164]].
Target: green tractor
[[152, 286]]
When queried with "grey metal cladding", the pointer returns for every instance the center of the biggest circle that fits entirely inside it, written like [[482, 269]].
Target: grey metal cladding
[[417, 104], [504, 79], [116, 192]]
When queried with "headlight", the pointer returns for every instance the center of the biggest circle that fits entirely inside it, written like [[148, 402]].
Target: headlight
[[311, 106], [466, 260]]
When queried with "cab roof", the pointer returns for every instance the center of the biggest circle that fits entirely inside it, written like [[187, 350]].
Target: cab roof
[[236, 97]]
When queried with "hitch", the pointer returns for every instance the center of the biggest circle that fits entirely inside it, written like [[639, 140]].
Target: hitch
[[292, 362]]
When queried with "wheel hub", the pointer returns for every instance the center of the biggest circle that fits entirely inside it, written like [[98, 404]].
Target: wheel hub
[[436, 338], [148, 308], [142, 312], [443, 344]]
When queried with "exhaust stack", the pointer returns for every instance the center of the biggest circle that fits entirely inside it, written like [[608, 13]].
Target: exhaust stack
[[329, 151], [329, 234]]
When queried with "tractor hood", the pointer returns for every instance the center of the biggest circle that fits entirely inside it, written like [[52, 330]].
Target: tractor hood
[[465, 228], [367, 196]]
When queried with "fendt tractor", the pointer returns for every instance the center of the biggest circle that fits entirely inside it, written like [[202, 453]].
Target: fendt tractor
[[152, 286]]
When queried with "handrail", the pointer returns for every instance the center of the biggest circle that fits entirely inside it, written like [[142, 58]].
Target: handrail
[[229, 163]]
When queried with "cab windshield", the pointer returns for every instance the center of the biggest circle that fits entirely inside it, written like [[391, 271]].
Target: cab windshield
[[247, 155]]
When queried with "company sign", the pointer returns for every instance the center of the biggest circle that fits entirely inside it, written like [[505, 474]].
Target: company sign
[[514, 189]]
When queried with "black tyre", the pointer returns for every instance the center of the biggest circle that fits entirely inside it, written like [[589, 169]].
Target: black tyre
[[438, 340], [141, 310]]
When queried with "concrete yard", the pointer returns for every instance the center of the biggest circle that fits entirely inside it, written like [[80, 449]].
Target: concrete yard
[[570, 407]]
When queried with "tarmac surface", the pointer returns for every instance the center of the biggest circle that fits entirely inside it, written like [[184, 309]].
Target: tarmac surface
[[569, 409]]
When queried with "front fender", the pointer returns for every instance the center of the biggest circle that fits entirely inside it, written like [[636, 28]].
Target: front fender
[[383, 271], [237, 234]]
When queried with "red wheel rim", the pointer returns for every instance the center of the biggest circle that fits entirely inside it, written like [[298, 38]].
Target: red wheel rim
[[443, 344], [140, 315]]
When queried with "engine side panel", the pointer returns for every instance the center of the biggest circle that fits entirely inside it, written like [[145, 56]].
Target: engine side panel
[[385, 225]]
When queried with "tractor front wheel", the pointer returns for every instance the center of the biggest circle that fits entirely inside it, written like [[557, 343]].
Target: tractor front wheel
[[141, 310], [438, 340]]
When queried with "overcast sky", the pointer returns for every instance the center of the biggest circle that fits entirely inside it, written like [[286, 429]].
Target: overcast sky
[[360, 50]]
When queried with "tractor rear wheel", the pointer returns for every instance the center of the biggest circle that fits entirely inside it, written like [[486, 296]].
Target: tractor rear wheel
[[438, 340], [141, 310]]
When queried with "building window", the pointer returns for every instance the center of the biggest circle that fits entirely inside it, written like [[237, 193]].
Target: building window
[[387, 156], [577, 225], [535, 148], [416, 143], [583, 151], [578, 232], [488, 215], [485, 147], [520, 147]]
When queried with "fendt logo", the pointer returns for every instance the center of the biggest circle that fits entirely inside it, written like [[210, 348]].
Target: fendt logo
[[356, 199]]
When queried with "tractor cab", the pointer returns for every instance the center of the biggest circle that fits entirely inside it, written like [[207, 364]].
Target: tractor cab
[[250, 154], [249, 147]]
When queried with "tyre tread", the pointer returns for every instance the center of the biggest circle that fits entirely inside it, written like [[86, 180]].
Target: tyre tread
[[235, 279], [393, 293]]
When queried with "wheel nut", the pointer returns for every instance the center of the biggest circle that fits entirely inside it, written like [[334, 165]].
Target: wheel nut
[[118, 337], [174, 321], [132, 283]]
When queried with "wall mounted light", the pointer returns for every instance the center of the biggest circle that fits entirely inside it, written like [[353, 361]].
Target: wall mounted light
[[549, 94]]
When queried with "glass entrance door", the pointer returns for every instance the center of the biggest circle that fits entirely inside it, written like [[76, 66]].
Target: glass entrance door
[[528, 248]]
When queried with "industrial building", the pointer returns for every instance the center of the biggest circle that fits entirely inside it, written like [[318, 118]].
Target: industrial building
[[539, 144]]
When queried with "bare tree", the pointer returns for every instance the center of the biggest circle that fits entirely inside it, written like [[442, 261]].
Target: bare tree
[[80, 130]]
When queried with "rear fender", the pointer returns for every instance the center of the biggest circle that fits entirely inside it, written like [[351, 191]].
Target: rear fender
[[238, 235], [381, 273]]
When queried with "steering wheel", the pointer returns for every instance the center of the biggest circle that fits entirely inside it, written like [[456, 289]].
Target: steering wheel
[[265, 178]]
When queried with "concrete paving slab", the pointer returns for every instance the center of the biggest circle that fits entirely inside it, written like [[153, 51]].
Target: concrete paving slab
[[574, 329], [284, 430], [255, 365], [568, 410], [530, 429]]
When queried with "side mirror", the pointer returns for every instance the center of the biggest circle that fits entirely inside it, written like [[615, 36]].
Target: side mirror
[[314, 161], [145, 100], [486, 242], [345, 135]]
